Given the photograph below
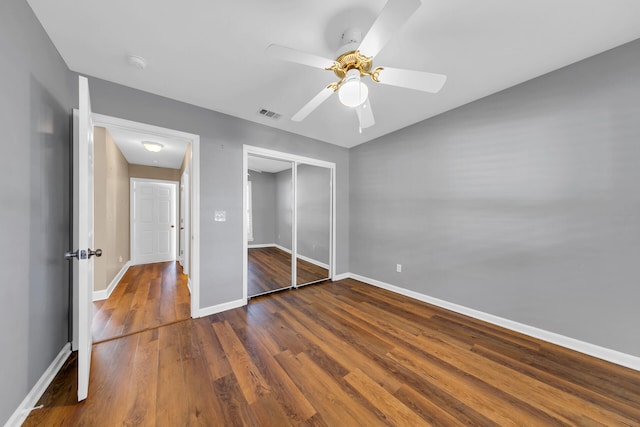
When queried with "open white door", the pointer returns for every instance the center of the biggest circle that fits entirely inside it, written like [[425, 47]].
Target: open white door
[[83, 235]]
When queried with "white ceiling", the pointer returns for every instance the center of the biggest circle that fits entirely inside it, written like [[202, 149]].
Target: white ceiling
[[266, 164], [211, 53], [130, 144]]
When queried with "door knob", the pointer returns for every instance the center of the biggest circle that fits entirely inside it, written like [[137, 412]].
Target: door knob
[[69, 255], [97, 253]]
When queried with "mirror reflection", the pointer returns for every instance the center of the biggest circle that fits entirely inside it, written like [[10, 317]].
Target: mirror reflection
[[313, 212], [269, 224]]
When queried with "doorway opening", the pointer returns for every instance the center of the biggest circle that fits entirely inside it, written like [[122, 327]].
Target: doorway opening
[[157, 279]]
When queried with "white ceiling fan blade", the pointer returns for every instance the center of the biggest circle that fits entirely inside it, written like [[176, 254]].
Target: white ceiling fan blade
[[410, 79], [365, 115], [393, 16], [297, 56], [313, 104]]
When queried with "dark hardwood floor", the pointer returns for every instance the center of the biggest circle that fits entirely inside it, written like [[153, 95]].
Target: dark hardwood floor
[[309, 273], [269, 269], [340, 354], [148, 296]]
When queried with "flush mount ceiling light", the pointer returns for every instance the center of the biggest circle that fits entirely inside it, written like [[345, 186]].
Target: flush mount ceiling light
[[154, 147], [353, 92]]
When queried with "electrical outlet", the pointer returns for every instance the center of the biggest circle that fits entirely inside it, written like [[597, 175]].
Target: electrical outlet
[[398, 268]]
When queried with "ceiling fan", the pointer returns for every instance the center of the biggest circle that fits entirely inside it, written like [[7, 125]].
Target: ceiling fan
[[353, 63]]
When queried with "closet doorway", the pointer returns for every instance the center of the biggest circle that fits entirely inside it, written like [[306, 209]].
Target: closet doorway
[[289, 205]]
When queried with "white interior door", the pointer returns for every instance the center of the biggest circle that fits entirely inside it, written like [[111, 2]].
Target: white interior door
[[83, 235], [154, 221]]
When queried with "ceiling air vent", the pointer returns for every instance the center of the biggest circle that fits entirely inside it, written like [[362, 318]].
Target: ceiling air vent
[[270, 114]]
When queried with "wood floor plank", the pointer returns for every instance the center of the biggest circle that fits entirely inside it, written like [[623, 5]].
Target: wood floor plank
[[202, 406], [294, 403], [544, 397], [504, 410], [334, 346], [237, 411], [396, 412], [146, 297], [630, 410], [171, 386], [335, 354], [330, 399], [141, 406], [214, 356], [252, 384], [428, 409]]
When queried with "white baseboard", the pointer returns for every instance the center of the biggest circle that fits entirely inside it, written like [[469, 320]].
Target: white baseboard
[[106, 293], [207, 311], [282, 248], [603, 353], [313, 261], [28, 403], [342, 276]]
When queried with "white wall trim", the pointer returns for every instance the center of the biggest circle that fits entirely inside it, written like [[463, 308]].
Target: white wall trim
[[597, 351], [189, 284], [302, 257], [313, 261], [342, 276], [106, 293], [282, 248], [27, 405], [207, 311]]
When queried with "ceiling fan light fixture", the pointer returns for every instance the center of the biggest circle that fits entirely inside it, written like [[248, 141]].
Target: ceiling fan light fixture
[[154, 147], [353, 92]]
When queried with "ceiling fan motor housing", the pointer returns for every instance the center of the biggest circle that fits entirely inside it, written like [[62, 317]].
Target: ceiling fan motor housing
[[349, 41]]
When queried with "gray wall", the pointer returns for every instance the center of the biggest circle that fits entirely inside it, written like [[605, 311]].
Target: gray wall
[[525, 204], [221, 140], [314, 212], [263, 207], [34, 214], [284, 209]]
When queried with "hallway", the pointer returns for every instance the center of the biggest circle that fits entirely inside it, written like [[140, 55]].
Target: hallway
[[148, 296]]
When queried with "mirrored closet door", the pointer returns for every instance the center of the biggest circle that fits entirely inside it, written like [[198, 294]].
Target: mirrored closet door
[[313, 215], [289, 221], [270, 224]]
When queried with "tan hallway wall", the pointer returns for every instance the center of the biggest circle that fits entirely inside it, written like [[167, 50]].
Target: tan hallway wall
[[150, 172], [111, 208]]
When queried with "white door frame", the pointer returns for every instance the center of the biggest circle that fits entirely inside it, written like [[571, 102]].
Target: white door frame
[[194, 197], [132, 204], [259, 151], [184, 219]]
